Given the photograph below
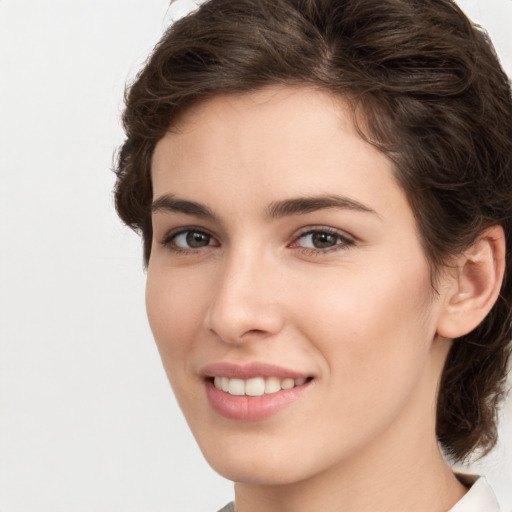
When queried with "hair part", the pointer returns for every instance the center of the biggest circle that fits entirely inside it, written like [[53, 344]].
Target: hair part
[[428, 91]]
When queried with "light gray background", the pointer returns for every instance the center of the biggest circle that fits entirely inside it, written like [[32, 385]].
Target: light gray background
[[88, 422]]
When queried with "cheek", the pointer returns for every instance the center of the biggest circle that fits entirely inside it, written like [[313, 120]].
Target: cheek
[[375, 348], [175, 309], [372, 336], [175, 306]]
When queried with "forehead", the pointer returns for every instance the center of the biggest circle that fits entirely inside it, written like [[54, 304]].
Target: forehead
[[279, 141]]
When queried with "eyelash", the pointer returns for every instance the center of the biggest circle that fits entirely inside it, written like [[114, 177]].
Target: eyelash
[[344, 242], [169, 240]]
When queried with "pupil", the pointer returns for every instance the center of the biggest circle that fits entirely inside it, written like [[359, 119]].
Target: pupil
[[195, 239], [323, 240]]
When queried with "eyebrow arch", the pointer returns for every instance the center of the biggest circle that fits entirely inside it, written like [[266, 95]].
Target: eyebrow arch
[[170, 203], [303, 205]]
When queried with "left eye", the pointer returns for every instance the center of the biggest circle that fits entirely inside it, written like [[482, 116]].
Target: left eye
[[190, 239], [322, 240]]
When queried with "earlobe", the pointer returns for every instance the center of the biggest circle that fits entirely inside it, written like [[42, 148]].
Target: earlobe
[[474, 286]]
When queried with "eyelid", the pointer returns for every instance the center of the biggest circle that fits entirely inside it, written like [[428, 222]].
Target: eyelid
[[168, 237], [306, 230], [348, 240]]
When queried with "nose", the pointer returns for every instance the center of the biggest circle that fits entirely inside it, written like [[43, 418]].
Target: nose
[[246, 304]]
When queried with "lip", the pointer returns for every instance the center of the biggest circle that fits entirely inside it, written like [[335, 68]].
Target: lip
[[250, 370], [251, 408]]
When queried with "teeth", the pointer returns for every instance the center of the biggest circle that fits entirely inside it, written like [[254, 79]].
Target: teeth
[[287, 383], [236, 387], [272, 385], [256, 386]]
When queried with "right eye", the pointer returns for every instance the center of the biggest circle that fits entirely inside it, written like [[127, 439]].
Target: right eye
[[189, 240]]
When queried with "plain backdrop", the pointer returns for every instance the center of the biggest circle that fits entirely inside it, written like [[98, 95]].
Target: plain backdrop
[[88, 422]]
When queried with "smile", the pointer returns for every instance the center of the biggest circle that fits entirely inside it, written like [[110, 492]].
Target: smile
[[254, 391], [256, 386]]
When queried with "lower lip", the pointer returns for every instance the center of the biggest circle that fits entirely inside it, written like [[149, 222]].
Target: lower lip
[[251, 408]]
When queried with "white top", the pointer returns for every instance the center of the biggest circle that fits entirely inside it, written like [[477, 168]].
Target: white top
[[479, 498]]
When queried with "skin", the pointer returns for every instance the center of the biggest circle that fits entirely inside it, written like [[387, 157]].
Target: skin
[[359, 316]]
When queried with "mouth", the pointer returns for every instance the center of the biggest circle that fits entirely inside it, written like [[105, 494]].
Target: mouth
[[257, 386], [253, 392]]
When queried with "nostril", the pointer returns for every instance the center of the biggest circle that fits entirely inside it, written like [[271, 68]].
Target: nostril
[[256, 332]]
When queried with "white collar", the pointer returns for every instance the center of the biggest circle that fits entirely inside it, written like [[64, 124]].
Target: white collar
[[479, 498]]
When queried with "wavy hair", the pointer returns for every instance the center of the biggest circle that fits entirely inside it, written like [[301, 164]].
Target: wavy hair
[[434, 99]]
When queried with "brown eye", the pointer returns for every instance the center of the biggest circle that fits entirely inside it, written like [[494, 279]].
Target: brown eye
[[197, 239], [321, 240], [190, 239]]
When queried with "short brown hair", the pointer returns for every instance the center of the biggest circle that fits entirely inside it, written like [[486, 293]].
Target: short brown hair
[[435, 100]]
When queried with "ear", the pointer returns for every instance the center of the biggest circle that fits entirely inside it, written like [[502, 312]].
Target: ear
[[474, 286]]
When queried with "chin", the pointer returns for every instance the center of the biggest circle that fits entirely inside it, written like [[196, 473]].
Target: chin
[[251, 472], [261, 460]]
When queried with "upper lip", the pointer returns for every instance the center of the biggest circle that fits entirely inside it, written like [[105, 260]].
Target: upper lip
[[249, 371]]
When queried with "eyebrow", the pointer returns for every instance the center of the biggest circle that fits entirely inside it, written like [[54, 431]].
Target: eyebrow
[[276, 209], [303, 205], [169, 203]]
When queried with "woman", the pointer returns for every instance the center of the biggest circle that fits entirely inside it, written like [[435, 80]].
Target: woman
[[324, 193]]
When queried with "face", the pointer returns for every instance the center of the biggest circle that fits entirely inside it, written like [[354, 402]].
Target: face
[[287, 289]]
